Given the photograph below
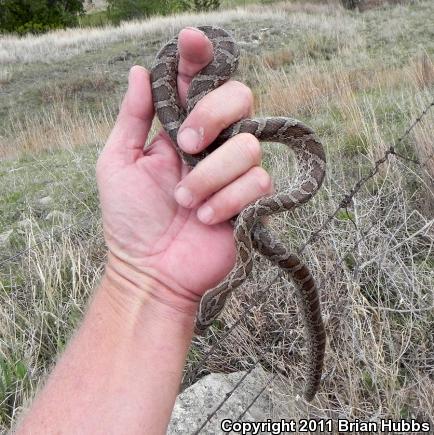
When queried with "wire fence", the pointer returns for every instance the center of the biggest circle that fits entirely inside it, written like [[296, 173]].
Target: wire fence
[[346, 200], [192, 374]]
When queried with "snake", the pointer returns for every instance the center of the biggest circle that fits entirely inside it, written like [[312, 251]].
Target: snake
[[250, 230]]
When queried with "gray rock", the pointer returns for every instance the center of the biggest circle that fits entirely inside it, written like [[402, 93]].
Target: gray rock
[[194, 404], [45, 201], [58, 216]]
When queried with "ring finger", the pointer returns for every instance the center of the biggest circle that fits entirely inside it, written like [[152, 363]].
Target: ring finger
[[230, 200]]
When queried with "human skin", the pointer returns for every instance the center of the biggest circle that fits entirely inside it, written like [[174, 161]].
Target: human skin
[[122, 369]]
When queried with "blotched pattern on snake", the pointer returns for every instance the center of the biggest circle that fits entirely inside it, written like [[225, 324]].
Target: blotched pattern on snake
[[249, 232]]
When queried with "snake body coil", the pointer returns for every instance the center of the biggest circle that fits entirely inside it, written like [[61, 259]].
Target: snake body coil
[[249, 232]]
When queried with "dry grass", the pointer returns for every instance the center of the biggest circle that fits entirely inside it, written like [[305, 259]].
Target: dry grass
[[58, 45], [317, 7], [423, 70], [365, 5], [279, 58], [375, 260], [59, 92], [375, 265], [37, 318], [62, 44], [310, 85], [423, 142], [95, 5], [57, 127]]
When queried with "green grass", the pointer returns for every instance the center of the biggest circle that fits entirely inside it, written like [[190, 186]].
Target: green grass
[[94, 19], [27, 181]]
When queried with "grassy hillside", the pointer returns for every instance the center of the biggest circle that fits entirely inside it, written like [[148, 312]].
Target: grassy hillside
[[359, 80]]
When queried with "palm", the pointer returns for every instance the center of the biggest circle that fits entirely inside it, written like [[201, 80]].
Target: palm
[[141, 217], [144, 225]]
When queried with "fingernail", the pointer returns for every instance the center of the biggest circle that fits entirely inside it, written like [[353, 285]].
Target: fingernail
[[183, 196], [195, 29], [205, 214], [189, 139]]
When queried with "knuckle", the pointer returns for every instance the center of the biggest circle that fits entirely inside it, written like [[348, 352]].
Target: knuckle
[[262, 179], [231, 205], [207, 114], [245, 93], [201, 181], [250, 148]]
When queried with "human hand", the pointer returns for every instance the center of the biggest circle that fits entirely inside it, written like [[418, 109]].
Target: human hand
[[155, 209]]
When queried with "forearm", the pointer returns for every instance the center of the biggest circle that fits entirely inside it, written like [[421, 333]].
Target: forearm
[[121, 371]]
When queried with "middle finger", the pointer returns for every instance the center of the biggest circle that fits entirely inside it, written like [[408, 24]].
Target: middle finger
[[220, 168]]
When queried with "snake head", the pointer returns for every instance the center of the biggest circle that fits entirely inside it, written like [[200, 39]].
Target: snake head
[[200, 329], [211, 305]]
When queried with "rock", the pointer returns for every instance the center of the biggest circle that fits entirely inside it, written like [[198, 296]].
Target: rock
[[58, 216], [122, 57], [45, 201], [194, 404]]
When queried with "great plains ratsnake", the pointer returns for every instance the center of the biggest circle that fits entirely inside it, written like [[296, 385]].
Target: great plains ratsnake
[[249, 231]]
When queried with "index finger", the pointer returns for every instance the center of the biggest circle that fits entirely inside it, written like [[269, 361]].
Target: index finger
[[195, 53]]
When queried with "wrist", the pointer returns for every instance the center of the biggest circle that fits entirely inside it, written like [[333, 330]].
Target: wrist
[[133, 290]]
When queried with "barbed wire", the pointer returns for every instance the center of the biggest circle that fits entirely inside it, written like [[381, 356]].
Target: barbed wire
[[190, 375], [346, 200], [211, 415], [324, 279], [320, 285], [255, 398], [227, 396], [343, 204]]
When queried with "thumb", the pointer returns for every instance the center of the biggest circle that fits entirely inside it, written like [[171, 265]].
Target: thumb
[[128, 137]]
